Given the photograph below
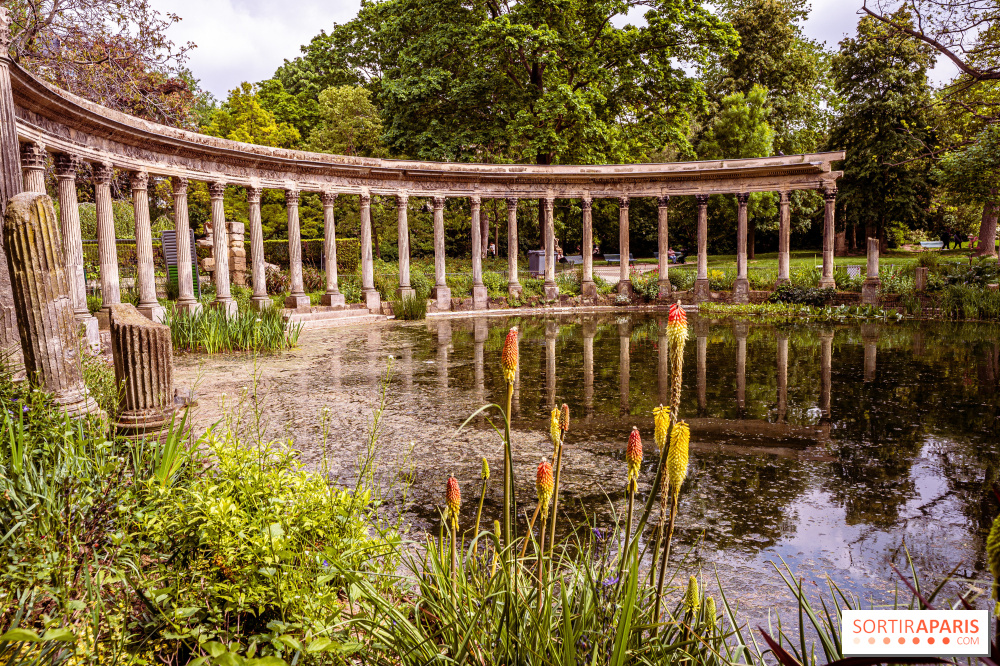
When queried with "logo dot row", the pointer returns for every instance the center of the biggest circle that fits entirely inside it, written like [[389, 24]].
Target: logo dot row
[[916, 640]]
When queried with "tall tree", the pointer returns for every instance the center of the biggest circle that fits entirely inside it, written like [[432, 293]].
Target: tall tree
[[884, 123], [349, 124], [242, 118], [972, 174]]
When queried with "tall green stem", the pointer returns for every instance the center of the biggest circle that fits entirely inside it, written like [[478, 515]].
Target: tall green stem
[[479, 511], [541, 556], [555, 496], [508, 483], [663, 562], [627, 542]]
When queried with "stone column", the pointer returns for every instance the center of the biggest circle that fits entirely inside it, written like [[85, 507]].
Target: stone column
[[107, 249], [441, 293], [623, 281], [830, 197], [149, 306], [220, 248], [663, 365], [869, 338], [740, 329], [258, 274], [701, 331], [551, 288], [69, 211], [333, 297], [551, 333], [702, 291], [11, 183], [589, 331], [513, 284], [403, 227], [920, 274], [588, 288], [624, 366], [873, 283], [373, 300], [784, 238], [41, 295], [33, 157], [782, 377], [480, 298], [144, 369], [443, 343], [186, 302], [741, 288], [480, 330], [296, 299], [663, 243], [826, 373]]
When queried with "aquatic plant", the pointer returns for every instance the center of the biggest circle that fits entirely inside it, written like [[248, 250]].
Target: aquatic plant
[[410, 308], [212, 331]]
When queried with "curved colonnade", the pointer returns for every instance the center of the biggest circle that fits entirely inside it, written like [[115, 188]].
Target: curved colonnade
[[37, 120]]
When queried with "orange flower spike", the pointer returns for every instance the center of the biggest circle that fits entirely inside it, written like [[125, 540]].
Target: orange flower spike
[[544, 483], [508, 357], [677, 330], [453, 497], [564, 418], [633, 455]]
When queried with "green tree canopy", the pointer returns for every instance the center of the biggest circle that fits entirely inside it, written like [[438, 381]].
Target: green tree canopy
[[242, 118], [349, 124]]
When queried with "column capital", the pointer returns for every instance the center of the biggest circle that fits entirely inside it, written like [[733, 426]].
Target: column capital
[[438, 203], [328, 198], [663, 201], [179, 185], [33, 155], [586, 203], [511, 204], [475, 200], [66, 165], [217, 189], [103, 172], [292, 197], [366, 199], [549, 203], [702, 200], [784, 196], [402, 200], [139, 180], [742, 198], [830, 194], [623, 202], [253, 194]]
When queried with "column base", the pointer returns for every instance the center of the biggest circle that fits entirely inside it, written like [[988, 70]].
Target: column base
[[373, 301], [551, 292], [89, 331], [480, 297], [228, 306], [782, 280], [191, 307], [827, 283], [148, 424], [741, 291], [297, 302], [261, 302], [77, 403], [153, 312], [665, 289], [514, 289], [441, 297], [403, 293], [702, 290], [588, 291], [869, 291]]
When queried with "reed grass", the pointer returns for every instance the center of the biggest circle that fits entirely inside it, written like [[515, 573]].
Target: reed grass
[[211, 331], [410, 308]]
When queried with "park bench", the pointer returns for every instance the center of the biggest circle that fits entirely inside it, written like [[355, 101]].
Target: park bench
[[617, 258], [678, 256], [932, 245], [575, 259]]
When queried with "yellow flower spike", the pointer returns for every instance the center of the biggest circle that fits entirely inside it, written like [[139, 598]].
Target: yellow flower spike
[[691, 598], [485, 473], [544, 483], [633, 456], [508, 357], [555, 431], [453, 497], [710, 612], [564, 418], [677, 330], [661, 424], [677, 457], [993, 557]]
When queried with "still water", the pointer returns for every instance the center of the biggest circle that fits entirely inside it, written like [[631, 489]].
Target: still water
[[832, 447]]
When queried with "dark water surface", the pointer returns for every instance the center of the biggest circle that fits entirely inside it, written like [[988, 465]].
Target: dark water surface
[[830, 446]]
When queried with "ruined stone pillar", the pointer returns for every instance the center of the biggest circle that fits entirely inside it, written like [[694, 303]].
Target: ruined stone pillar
[[186, 302], [920, 274], [663, 243], [740, 329], [441, 293], [403, 229], [69, 213], [144, 370], [588, 288], [333, 297], [551, 288], [869, 338], [443, 344], [373, 300], [149, 306], [784, 238], [624, 365], [741, 288], [830, 197], [480, 298], [107, 248], [701, 333], [551, 333], [782, 377], [220, 248], [33, 158], [480, 330], [826, 373], [589, 331], [623, 267], [513, 284], [260, 300], [702, 291], [11, 184], [41, 295], [873, 283], [296, 299]]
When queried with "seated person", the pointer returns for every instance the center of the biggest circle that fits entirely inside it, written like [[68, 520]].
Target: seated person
[[671, 255]]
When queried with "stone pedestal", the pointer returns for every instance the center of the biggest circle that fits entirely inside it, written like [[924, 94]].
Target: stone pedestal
[[702, 290], [373, 301], [920, 278], [588, 290], [551, 292], [334, 300], [741, 291], [872, 284], [144, 370], [297, 302], [441, 297], [44, 308], [480, 298], [230, 306]]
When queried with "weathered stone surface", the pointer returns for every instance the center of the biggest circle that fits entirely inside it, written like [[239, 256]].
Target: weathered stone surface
[[144, 370], [44, 308], [870, 287], [920, 278]]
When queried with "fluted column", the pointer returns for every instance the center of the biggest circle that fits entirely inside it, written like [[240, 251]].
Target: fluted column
[[480, 298], [260, 300], [441, 293], [333, 297], [873, 282], [480, 331], [829, 236], [33, 157], [782, 377], [403, 228], [624, 366], [144, 370], [826, 373], [443, 344], [623, 268], [551, 333], [296, 298], [741, 288], [740, 329], [373, 300], [149, 306], [186, 302], [702, 291], [513, 284], [41, 296], [588, 288], [11, 183], [220, 248], [701, 333], [784, 237], [589, 331], [107, 248], [551, 288], [663, 243], [69, 212]]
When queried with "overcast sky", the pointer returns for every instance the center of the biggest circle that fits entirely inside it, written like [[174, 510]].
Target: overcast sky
[[246, 40]]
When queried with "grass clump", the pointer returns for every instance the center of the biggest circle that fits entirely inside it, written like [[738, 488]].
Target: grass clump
[[211, 331], [410, 308]]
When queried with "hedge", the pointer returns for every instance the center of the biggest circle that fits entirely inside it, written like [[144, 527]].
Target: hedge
[[348, 253]]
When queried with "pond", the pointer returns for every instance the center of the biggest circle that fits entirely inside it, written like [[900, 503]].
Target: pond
[[831, 446]]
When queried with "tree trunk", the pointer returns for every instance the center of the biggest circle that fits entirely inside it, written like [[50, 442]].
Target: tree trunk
[[988, 230]]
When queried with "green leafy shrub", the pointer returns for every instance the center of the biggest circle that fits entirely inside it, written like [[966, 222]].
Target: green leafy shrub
[[789, 293], [422, 284], [682, 280], [532, 287], [496, 284], [460, 285], [762, 279], [895, 281], [959, 301], [646, 285], [929, 260], [277, 282], [604, 288], [979, 273], [313, 279], [805, 277], [721, 280], [569, 282]]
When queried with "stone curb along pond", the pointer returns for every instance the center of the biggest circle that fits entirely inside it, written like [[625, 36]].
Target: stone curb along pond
[[827, 445]]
